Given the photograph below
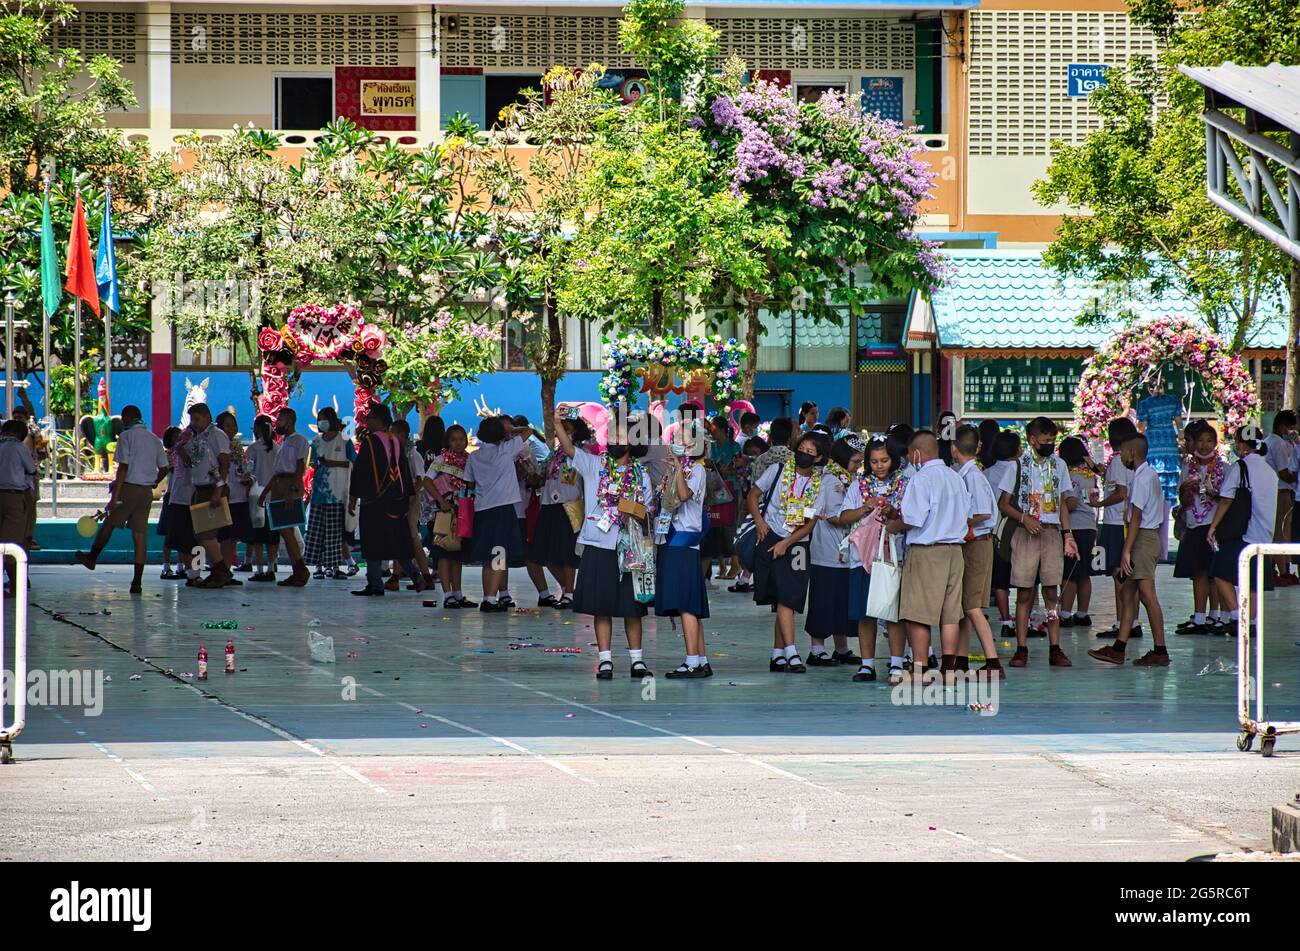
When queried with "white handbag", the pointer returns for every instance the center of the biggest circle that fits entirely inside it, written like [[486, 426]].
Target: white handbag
[[886, 583], [256, 514]]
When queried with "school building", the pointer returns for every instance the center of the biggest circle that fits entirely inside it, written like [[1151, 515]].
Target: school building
[[991, 84]]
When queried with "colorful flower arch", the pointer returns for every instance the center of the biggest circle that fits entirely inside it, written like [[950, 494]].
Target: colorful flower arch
[[693, 365], [1134, 357]]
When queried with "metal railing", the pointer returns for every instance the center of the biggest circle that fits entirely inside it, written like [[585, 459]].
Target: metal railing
[[17, 691], [1247, 677]]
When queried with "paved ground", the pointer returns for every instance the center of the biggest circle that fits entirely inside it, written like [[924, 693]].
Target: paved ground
[[437, 740]]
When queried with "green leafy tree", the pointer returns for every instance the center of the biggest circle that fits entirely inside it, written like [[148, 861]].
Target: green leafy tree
[[1144, 225], [675, 50]]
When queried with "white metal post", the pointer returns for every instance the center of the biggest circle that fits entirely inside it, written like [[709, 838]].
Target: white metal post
[[8, 731]]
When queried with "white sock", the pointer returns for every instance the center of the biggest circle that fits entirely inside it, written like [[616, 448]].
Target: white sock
[[819, 650], [1199, 617], [791, 651], [1134, 626], [895, 660], [543, 592], [868, 663], [692, 660], [635, 653], [1232, 616], [607, 656], [490, 598], [777, 653], [1216, 615], [907, 651], [702, 658]]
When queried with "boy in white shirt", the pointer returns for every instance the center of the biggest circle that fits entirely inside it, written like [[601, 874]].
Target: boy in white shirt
[[1110, 535], [977, 554], [1033, 495], [1280, 454], [1261, 481], [1146, 515]]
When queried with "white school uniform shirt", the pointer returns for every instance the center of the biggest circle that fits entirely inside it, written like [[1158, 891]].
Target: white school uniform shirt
[[995, 473], [235, 489], [1084, 518], [590, 468], [1263, 496], [292, 449], [492, 470], [936, 506], [259, 462], [1063, 487], [180, 486], [203, 451], [689, 514], [1280, 455], [1147, 495], [16, 465], [1117, 474], [824, 550], [774, 514], [555, 490], [981, 498], [853, 500], [143, 454]]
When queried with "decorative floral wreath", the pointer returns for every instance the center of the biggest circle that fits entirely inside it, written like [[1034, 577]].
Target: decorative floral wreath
[[671, 364], [1134, 358]]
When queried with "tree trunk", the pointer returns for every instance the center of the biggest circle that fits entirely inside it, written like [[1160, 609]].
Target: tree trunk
[[750, 374], [1289, 393], [552, 367], [656, 312]]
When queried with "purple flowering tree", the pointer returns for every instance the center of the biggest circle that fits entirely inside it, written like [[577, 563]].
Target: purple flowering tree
[[844, 187]]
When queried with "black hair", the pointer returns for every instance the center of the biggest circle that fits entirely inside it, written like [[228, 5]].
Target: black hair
[[747, 418], [381, 413], [129, 411], [453, 428], [721, 421], [1285, 417], [1140, 439], [201, 409], [899, 436], [492, 430], [1006, 446], [1040, 426], [291, 413], [842, 452], [262, 430], [328, 412], [581, 431], [967, 440], [1118, 430], [820, 440], [1193, 430], [521, 421], [433, 438], [891, 450], [837, 417], [14, 427], [403, 425], [989, 430], [1073, 451], [780, 432], [1249, 435], [757, 442], [804, 408], [173, 433], [223, 416]]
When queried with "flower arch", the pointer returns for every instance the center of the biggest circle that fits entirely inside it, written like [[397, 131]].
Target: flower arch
[[697, 366], [1134, 357]]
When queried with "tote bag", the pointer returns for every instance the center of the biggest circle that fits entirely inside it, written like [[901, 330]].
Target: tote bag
[[886, 582], [256, 513], [745, 542]]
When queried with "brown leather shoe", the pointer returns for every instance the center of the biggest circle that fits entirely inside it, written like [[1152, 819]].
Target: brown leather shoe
[[393, 584], [1020, 658], [1107, 655], [1152, 659], [298, 578], [84, 559], [988, 670], [1057, 658]]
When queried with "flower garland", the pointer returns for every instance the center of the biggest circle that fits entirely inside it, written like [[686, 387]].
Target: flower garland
[[1134, 357], [616, 484], [708, 363], [839, 472], [788, 495], [890, 489], [1209, 476]]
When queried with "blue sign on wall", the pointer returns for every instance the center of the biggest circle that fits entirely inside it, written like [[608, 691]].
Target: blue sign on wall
[[883, 95], [1083, 78]]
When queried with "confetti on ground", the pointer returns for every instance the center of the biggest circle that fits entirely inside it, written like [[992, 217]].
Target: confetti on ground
[[561, 650], [569, 716]]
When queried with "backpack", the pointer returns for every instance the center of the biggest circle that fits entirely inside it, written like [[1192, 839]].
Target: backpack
[[1232, 527]]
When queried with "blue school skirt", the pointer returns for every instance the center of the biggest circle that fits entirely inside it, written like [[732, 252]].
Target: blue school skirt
[[679, 582], [828, 603], [496, 531], [859, 588]]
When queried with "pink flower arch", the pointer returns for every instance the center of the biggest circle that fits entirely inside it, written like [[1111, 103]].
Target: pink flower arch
[[1134, 357]]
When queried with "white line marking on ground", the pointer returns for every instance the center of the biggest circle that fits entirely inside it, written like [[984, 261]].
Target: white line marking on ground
[[131, 771], [988, 848]]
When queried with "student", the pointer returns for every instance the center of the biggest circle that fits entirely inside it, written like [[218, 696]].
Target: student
[[603, 590], [1033, 495], [382, 486], [530, 467], [989, 430], [679, 585], [807, 416], [1261, 481], [332, 456], [1077, 590], [1279, 453], [945, 430], [1198, 490], [748, 428], [977, 556], [180, 526], [778, 449], [240, 527], [828, 576], [444, 481], [783, 526], [402, 430], [141, 466], [719, 540], [207, 454], [259, 461], [169, 437], [554, 542], [1146, 516], [876, 494], [491, 471], [838, 422], [287, 474], [17, 466], [935, 515], [1111, 534], [1006, 449]]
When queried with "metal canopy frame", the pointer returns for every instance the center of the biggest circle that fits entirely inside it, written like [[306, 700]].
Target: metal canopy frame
[[1248, 188]]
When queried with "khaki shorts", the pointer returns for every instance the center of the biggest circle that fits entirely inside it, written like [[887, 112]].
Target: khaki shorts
[[13, 517], [132, 508], [1285, 506], [977, 573], [1145, 553], [932, 582], [1037, 559]]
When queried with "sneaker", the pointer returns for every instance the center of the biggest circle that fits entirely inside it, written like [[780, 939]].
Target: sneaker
[[1057, 658], [821, 660], [864, 675], [845, 657], [1152, 659], [1107, 655], [1020, 658]]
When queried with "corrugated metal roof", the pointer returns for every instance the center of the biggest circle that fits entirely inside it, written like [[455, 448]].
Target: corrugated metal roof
[[1011, 300], [1272, 91]]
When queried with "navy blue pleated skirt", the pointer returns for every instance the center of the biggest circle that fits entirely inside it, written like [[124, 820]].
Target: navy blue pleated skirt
[[554, 540], [496, 533], [781, 581], [602, 590], [859, 588], [679, 583], [828, 603]]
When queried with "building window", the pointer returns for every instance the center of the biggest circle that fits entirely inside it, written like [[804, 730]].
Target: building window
[[790, 341], [220, 358], [304, 102]]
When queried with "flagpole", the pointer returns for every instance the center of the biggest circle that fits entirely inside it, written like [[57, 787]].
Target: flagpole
[[76, 387], [108, 315], [53, 455]]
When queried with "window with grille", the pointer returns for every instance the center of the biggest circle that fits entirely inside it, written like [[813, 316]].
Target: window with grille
[[97, 32], [286, 39], [1019, 102]]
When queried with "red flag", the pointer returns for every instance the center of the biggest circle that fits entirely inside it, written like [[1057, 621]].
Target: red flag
[[81, 266]]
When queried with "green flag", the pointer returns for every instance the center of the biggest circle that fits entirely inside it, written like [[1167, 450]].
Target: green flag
[[51, 286]]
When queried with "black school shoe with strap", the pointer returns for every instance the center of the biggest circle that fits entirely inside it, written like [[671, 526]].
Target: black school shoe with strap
[[817, 659], [864, 675], [548, 601], [776, 665], [845, 657], [605, 670], [639, 670], [794, 665]]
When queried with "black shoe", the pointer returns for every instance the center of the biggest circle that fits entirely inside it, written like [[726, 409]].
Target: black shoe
[[565, 603], [1082, 620], [846, 657], [234, 582], [681, 672], [506, 601], [821, 660], [640, 670], [467, 604], [605, 670], [331, 574], [353, 569], [776, 665], [245, 568], [864, 675], [1192, 629], [794, 665], [492, 607], [1067, 621], [704, 670], [1034, 631], [741, 587], [932, 663], [369, 592], [319, 573], [1190, 622], [548, 601], [452, 604]]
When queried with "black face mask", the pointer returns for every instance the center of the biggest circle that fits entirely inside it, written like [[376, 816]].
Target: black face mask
[[616, 450], [805, 460], [1046, 450]]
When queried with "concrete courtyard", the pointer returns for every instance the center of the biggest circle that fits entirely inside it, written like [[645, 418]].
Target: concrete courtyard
[[437, 740]]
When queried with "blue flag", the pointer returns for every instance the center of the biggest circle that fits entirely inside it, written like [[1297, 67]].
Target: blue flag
[[106, 259]]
